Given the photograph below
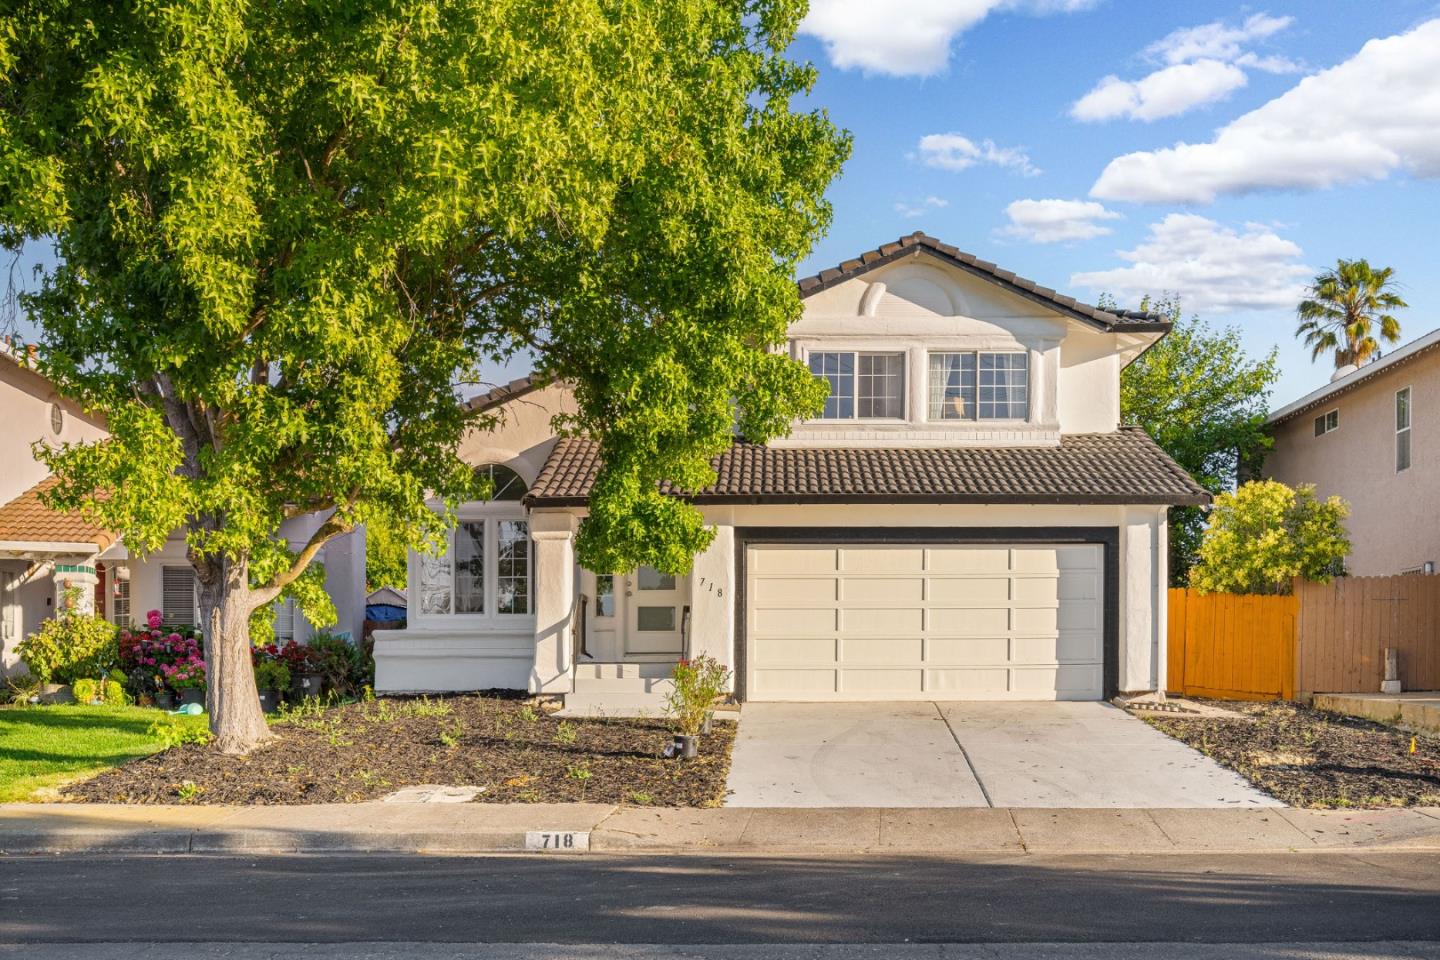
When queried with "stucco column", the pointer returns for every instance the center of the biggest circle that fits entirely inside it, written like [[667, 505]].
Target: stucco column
[[554, 537], [1138, 573], [75, 576], [712, 599]]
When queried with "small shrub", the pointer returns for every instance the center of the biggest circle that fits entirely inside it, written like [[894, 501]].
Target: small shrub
[[171, 732], [85, 690], [272, 675], [24, 689], [698, 682], [115, 693], [69, 647], [347, 668]]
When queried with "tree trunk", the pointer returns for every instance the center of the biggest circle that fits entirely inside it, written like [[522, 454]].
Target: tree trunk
[[231, 698]]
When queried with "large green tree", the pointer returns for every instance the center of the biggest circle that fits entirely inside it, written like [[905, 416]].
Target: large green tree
[[1264, 535], [1203, 400], [286, 231], [1348, 307]]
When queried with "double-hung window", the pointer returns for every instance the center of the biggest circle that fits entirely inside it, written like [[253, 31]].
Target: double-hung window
[[979, 386], [487, 571], [1402, 430], [863, 386], [120, 601]]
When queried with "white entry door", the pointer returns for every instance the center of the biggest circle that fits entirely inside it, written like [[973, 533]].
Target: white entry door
[[924, 622], [655, 613]]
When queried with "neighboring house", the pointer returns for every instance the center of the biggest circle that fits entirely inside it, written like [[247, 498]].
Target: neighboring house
[[966, 520], [386, 606], [1371, 436], [44, 553]]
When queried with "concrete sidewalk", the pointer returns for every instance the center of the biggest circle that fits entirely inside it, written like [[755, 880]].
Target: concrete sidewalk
[[471, 828]]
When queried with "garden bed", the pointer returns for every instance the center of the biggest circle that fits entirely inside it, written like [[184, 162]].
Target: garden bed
[[1310, 758], [363, 751]]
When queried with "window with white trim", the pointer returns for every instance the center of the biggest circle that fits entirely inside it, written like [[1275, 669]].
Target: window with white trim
[[177, 595], [1402, 430], [1327, 422], [863, 386], [486, 573], [979, 386], [120, 600]]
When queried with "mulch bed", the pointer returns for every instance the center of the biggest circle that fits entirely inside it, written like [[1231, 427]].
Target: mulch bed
[[1310, 758], [363, 751]]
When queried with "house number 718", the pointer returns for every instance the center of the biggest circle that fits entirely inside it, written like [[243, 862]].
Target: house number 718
[[709, 585]]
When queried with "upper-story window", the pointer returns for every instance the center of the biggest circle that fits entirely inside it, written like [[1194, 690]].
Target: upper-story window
[[979, 386], [1402, 430], [863, 386], [486, 570], [1327, 422]]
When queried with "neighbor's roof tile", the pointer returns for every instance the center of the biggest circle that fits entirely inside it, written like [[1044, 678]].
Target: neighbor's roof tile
[[27, 519]]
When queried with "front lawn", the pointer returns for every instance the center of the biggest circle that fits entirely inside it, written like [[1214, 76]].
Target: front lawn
[[1309, 758], [42, 748], [363, 751]]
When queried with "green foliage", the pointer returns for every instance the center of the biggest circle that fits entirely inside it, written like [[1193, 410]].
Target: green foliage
[[272, 675], [24, 689], [85, 690], [697, 683], [114, 693], [346, 667], [170, 731], [1204, 401], [1347, 307], [385, 555], [70, 646], [1265, 534]]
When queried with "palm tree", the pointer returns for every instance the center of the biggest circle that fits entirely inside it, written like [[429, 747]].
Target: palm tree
[[1345, 307]]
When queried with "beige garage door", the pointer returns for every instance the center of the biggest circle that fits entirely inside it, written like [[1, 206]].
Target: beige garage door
[[923, 622]]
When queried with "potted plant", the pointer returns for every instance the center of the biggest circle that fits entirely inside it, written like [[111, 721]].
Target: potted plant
[[697, 683], [187, 679], [271, 677], [305, 676]]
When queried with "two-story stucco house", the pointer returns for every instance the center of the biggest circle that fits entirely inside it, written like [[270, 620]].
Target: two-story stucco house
[[966, 520], [45, 554], [1370, 436]]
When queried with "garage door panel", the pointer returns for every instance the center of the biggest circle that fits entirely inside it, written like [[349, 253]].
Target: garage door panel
[[789, 622], [971, 622], [787, 591], [882, 650], [873, 622], [882, 590], [974, 590], [965, 650]]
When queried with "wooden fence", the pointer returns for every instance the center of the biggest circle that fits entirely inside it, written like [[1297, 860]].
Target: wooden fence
[[1326, 638], [1230, 646], [1345, 626]]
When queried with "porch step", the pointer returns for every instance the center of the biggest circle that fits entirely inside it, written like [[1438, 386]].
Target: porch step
[[630, 670], [589, 704], [638, 686]]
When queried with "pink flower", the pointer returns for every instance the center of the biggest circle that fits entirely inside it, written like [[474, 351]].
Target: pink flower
[[174, 638], [154, 618]]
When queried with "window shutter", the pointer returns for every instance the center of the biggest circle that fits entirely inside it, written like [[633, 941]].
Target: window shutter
[[285, 620], [177, 595]]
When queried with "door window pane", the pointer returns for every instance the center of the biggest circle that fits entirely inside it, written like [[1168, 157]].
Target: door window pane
[[838, 370], [512, 575], [648, 578], [604, 595], [655, 619], [881, 388], [469, 559], [1004, 386], [952, 386]]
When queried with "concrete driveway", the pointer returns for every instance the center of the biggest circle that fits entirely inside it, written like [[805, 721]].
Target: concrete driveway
[[969, 755]]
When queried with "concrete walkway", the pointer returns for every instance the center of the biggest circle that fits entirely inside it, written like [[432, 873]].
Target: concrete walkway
[[504, 828], [970, 754]]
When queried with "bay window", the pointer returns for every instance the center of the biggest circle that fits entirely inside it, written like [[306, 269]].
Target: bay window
[[863, 386], [979, 386], [486, 572]]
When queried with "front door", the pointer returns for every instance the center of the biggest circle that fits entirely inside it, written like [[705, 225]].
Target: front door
[[655, 613]]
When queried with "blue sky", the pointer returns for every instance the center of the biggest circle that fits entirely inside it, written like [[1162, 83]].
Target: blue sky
[[1338, 168], [1219, 150]]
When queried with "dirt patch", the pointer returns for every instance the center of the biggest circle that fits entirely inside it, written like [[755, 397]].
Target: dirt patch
[[1309, 758], [363, 751]]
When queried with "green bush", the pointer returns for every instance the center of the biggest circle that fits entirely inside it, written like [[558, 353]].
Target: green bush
[[272, 675], [85, 690], [347, 668], [115, 693], [172, 731], [70, 647]]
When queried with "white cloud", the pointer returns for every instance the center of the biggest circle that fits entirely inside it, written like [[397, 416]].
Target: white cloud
[[1165, 93], [1360, 120], [951, 151], [1056, 221], [1215, 41], [910, 39], [1200, 65], [924, 206], [1213, 267]]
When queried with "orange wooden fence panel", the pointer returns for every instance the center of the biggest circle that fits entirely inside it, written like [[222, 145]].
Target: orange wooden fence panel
[[1231, 647]]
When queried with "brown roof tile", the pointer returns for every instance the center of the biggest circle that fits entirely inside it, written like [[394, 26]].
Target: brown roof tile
[[1121, 467], [920, 243], [27, 519]]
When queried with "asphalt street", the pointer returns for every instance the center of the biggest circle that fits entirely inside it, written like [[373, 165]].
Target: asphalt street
[[594, 899]]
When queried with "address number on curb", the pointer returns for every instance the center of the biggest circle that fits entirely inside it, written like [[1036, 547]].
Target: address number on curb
[[558, 841]]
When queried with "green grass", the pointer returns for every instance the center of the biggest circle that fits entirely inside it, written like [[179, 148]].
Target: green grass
[[42, 748]]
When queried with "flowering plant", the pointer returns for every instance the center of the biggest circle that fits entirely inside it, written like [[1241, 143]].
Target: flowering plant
[[190, 673], [158, 654]]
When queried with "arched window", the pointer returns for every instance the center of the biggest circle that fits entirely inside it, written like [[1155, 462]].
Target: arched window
[[508, 485]]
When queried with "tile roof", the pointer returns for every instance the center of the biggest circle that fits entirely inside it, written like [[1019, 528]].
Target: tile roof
[[28, 520], [1121, 467], [920, 243], [506, 392]]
